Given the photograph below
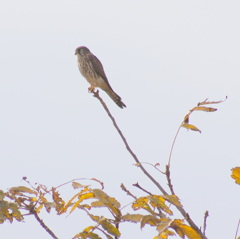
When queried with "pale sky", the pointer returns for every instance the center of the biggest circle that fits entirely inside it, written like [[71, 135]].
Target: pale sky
[[162, 58]]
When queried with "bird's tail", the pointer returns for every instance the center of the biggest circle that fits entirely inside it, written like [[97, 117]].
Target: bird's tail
[[116, 98]]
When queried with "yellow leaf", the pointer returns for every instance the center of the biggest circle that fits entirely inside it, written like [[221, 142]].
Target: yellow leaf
[[86, 196], [85, 235], [163, 225], [101, 204], [114, 202], [184, 230], [164, 235], [132, 217], [142, 202], [203, 108], [75, 205], [173, 199], [102, 196], [92, 235], [149, 219], [236, 174], [76, 185], [191, 127], [158, 201], [94, 218], [97, 204], [21, 189], [49, 205], [109, 202], [110, 228], [58, 200], [88, 229]]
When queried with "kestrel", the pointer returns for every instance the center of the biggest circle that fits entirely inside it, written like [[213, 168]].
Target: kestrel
[[92, 70]]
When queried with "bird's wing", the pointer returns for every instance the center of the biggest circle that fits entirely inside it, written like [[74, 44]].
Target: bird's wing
[[98, 68]]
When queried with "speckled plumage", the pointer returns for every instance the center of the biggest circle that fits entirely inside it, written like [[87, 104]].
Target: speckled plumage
[[92, 70]]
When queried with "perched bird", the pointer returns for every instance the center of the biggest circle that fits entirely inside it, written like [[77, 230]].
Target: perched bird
[[92, 70]]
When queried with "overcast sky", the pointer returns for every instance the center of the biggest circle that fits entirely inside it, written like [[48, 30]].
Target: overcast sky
[[162, 58]]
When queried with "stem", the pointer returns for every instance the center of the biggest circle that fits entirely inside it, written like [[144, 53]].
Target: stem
[[237, 229], [96, 94], [205, 222], [43, 224], [174, 140]]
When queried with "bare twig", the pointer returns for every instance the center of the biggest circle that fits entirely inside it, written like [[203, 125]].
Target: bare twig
[[76, 179], [96, 94], [144, 190], [43, 224], [174, 140], [205, 222], [155, 166], [127, 191], [237, 229]]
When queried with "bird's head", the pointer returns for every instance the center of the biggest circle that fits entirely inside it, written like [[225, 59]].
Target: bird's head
[[82, 50]]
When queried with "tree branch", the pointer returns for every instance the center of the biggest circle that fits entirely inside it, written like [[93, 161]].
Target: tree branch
[[127, 191], [144, 190], [237, 229], [169, 180], [96, 94], [43, 224], [180, 209], [205, 222]]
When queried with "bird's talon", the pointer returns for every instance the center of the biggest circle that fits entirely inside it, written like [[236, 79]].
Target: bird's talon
[[91, 89]]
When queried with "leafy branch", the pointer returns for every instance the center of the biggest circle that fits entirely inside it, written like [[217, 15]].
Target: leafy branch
[[185, 124], [157, 208]]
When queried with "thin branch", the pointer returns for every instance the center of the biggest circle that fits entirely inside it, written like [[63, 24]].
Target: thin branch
[[205, 222], [144, 190], [43, 224], [76, 179], [180, 209], [127, 191], [174, 140], [155, 166], [96, 94], [237, 229], [169, 180]]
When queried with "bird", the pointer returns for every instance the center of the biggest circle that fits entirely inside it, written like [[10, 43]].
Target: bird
[[92, 70]]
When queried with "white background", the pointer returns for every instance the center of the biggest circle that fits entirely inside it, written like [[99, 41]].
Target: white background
[[162, 58]]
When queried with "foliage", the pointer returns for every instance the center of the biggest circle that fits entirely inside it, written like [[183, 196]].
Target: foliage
[[34, 199], [154, 209], [236, 174]]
